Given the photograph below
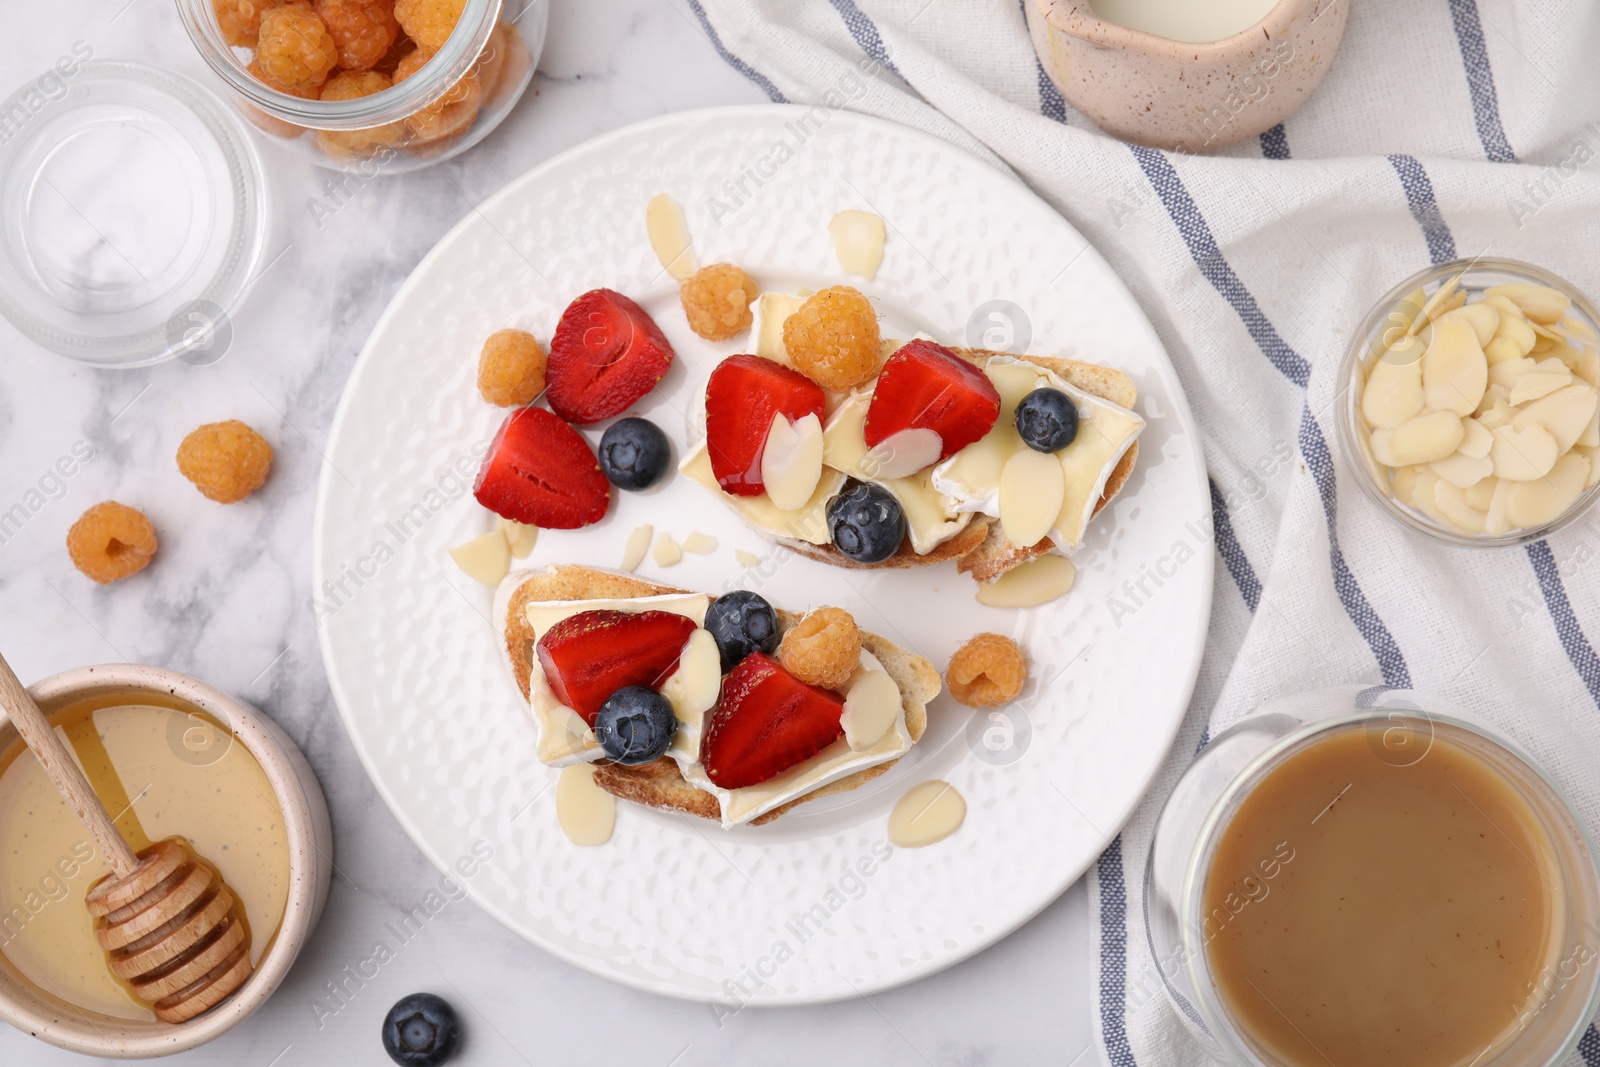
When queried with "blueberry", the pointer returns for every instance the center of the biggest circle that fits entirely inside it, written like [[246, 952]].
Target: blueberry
[[421, 1031], [866, 523], [742, 622], [635, 725], [634, 453], [1047, 419]]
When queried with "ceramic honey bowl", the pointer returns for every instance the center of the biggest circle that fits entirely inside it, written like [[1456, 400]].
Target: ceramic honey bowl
[[169, 757]]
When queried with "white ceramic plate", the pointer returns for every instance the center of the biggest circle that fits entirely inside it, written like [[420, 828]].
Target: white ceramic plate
[[808, 908]]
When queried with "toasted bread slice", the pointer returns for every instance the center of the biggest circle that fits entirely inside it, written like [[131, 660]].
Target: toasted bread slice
[[659, 784], [981, 549]]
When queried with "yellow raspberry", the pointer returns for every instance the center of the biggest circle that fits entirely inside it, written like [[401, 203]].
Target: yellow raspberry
[[351, 85], [363, 30], [429, 22], [450, 113], [226, 461], [111, 541], [987, 671], [833, 338], [501, 63], [824, 648], [403, 46], [294, 50], [240, 20], [716, 301], [313, 93], [511, 368]]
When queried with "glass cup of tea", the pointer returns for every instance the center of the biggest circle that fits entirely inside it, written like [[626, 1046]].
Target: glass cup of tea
[[1370, 876]]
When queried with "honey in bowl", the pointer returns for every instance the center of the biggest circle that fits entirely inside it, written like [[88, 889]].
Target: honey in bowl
[[1381, 905], [161, 771]]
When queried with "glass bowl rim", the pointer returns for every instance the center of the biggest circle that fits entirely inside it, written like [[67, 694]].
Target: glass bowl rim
[[1353, 362], [449, 64]]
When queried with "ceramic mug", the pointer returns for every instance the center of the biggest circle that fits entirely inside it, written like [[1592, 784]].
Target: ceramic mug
[[1182, 96]]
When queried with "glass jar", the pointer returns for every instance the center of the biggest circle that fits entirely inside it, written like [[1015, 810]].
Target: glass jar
[[1423, 297], [431, 109], [1400, 728]]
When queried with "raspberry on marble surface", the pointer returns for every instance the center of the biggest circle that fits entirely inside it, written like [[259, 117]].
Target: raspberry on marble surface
[[226, 461], [111, 541]]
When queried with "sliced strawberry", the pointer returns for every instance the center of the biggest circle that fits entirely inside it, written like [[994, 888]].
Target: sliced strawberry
[[588, 656], [743, 395], [766, 722], [540, 472], [927, 386], [606, 353]]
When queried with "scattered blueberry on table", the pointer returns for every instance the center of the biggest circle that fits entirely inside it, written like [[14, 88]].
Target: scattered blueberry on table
[[421, 1030]]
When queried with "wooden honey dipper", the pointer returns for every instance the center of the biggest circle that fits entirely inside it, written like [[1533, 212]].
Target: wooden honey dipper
[[172, 930]]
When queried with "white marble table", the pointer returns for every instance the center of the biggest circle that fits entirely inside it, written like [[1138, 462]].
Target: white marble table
[[228, 600]]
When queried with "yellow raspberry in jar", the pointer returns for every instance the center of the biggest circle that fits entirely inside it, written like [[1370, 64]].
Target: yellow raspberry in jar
[[511, 368], [240, 20], [450, 113], [111, 541], [833, 338], [824, 648], [502, 62], [402, 47], [363, 30], [429, 22], [716, 301], [226, 461], [352, 85], [294, 50], [987, 671]]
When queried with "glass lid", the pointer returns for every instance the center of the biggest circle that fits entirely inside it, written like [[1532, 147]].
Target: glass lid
[[132, 214]]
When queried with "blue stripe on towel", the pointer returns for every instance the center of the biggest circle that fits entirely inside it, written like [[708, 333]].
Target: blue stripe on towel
[[1480, 81], [760, 79], [866, 34], [1275, 143], [1203, 249], [1114, 954], [1442, 247], [1577, 646], [1313, 446], [1232, 553], [1424, 207], [1391, 662], [1051, 106], [1589, 1046]]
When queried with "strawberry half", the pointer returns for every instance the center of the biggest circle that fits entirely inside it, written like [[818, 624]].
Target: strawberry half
[[588, 656], [766, 722], [606, 353], [928, 387], [742, 397], [540, 472]]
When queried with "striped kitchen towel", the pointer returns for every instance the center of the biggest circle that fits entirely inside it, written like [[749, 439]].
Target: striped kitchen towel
[[1444, 128]]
